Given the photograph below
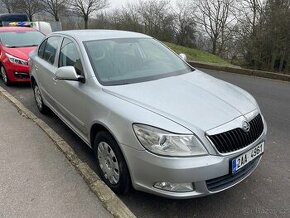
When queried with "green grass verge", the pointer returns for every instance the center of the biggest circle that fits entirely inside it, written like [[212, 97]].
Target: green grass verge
[[198, 55]]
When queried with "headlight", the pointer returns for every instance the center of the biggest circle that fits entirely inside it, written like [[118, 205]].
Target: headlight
[[164, 143], [16, 60]]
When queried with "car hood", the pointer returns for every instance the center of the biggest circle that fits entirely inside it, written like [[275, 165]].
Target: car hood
[[193, 99], [22, 53]]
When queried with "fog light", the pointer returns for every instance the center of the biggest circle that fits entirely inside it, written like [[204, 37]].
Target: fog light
[[174, 187], [21, 75]]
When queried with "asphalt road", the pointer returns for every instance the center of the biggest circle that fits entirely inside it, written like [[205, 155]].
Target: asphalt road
[[266, 193]]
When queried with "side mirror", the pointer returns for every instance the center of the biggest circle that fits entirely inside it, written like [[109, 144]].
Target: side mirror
[[68, 73], [183, 57]]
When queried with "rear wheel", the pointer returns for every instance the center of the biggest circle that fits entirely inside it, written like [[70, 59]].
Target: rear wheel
[[38, 99], [111, 163], [4, 76]]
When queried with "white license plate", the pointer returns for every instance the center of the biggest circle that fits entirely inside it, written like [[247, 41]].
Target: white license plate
[[247, 157]]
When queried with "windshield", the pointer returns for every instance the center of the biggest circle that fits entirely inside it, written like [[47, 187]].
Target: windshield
[[21, 39], [123, 61]]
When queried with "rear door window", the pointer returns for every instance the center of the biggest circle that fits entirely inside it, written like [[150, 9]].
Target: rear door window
[[50, 50]]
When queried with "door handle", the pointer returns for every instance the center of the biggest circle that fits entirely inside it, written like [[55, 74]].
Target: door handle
[[54, 80]]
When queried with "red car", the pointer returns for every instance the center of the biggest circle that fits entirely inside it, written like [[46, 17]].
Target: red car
[[15, 45]]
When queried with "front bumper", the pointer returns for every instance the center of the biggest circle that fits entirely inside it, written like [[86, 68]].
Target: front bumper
[[208, 174], [16, 72]]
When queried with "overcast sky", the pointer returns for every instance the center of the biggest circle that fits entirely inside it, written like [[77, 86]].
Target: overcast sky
[[119, 3]]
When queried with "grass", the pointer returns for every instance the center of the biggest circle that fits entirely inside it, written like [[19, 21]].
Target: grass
[[198, 55]]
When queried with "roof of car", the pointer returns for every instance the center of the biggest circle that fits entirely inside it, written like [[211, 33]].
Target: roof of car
[[16, 29], [88, 35]]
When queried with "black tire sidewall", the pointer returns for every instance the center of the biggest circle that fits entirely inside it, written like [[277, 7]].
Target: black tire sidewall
[[8, 81], [123, 185], [44, 109]]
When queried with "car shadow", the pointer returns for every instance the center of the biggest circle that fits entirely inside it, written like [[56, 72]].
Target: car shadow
[[25, 85]]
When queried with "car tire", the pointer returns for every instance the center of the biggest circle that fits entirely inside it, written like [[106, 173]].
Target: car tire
[[4, 76], [38, 100], [111, 164]]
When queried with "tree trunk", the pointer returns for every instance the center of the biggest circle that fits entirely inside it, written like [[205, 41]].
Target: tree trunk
[[272, 62], [287, 66], [214, 46], [281, 64], [86, 20], [56, 17]]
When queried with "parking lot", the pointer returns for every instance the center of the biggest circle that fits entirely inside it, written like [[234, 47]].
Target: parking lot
[[264, 194]]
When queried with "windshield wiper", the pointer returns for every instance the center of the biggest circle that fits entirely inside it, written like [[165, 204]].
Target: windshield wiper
[[32, 45], [12, 46], [21, 46]]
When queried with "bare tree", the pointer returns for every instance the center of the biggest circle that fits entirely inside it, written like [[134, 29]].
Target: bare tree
[[30, 7], [249, 14], [263, 34], [157, 19], [275, 25], [215, 17], [126, 18], [54, 7], [8, 4], [256, 9], [185, 24], [85, 8]]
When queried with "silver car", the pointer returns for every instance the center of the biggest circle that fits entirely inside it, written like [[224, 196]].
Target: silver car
[[153, 121]]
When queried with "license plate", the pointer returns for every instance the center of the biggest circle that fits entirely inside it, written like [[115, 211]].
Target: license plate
[[244, 159]]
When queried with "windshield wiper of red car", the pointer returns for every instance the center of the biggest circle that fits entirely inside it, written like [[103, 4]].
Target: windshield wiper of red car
[[12, 46]]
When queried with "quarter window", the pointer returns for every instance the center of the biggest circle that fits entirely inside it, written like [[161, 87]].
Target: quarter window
[[50, 49], [69, 56]]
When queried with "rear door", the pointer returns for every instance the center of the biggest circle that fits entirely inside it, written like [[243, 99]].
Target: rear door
[[45, 67]]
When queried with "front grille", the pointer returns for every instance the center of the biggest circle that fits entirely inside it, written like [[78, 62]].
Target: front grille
[[223, 182], [237, 139]]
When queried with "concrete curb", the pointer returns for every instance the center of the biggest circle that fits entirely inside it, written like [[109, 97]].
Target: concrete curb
[[109, 199], [237, 70]]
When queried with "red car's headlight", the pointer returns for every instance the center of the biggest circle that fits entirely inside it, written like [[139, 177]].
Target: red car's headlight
[[16, 60]]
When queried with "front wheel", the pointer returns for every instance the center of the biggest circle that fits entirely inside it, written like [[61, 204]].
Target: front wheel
[[4, 76], [111, 163]]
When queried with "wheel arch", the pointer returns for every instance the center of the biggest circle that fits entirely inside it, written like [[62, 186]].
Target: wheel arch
[[33, 81], [97, 127]]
